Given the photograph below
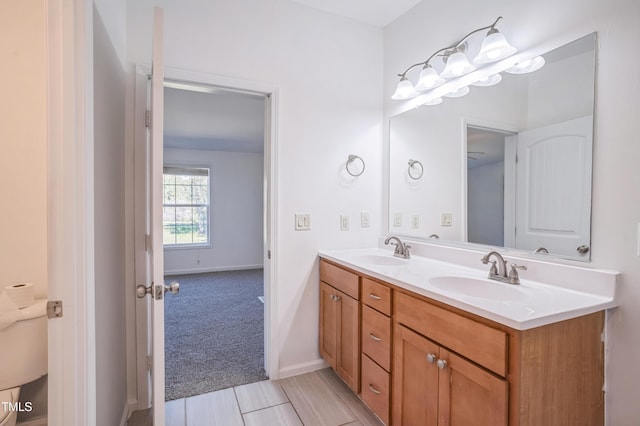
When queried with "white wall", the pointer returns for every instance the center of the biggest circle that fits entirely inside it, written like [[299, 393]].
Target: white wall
[[23, 159], [109, 203], [616, 207], [236, 212], [328, 73], [23, 144]]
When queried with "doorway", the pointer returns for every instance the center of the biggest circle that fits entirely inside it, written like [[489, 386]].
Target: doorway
[[213, 220], [487, 156], [200, 263]]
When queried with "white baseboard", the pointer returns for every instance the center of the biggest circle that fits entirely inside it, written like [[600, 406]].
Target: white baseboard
[[302, 368], [212, 269]]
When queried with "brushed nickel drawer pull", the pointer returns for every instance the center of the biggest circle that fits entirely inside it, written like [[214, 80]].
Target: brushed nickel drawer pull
[[374, 390], [374, 297], [374, 337]]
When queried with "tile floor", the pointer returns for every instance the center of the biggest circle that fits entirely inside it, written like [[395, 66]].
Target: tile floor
[[314, 399]]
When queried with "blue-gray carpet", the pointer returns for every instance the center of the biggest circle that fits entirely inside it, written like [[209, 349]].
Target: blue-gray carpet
[[214, 332]]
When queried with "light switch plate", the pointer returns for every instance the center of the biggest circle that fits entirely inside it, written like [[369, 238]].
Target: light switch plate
[[446, 219], [364, 219], [303, 221], [345, 223], [415, 221], [397, 220]]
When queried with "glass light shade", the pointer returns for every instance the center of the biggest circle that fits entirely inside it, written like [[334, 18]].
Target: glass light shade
[[494, 47], [492, 80], [457, 65], [428, 79], [530, 65], [458, 93], [404, 90]]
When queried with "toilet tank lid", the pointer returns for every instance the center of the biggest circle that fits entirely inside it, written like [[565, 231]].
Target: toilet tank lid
[[38, 309]]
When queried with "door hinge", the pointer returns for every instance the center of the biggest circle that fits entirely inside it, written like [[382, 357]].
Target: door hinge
[[147, 118], [147, 243], [149, 363], [268, 254], [54, 309]]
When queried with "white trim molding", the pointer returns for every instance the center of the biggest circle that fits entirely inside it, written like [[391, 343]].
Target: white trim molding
[[72, 374]]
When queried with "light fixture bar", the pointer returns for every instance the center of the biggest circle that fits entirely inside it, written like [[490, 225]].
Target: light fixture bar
[[494, 47]]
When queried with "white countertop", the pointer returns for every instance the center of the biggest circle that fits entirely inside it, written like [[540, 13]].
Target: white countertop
[[528, 305]]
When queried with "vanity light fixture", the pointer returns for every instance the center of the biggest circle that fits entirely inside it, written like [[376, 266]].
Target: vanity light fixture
[[404, 90], [530, 65], [458, 93], [492, 80], [455, 62]]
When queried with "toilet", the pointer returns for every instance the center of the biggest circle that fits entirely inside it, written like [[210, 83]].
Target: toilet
[[23, 357]]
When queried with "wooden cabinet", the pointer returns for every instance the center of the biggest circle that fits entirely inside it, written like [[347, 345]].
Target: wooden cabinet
[[376, 347], [417, 361], [433, 386], [340, 325]]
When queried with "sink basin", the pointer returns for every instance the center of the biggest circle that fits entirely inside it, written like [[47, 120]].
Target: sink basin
[[379, 259], [476, 287]]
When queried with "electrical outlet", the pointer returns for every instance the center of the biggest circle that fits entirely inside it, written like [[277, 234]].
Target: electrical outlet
[[446, 219], [303, 221], [345, 223], [364, 219]]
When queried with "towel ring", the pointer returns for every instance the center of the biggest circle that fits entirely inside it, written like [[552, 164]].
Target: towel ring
[[352, 158], [415, 175]]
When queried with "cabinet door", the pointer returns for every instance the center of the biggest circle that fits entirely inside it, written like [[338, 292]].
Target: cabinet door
[[348, 340], [469, 395], [415, 379], [328, 343]]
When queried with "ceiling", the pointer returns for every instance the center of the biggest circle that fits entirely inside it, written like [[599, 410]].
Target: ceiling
[[209, 118], [379, 13]]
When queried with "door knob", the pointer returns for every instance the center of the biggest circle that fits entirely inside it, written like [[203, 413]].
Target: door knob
[[173, 288], [583, 249], [441, 363], [431, 358], [142, 291]]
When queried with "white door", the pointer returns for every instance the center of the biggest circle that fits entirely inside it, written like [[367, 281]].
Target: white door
[[149, 252], [553, 205]]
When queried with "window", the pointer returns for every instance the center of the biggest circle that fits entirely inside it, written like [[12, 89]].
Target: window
[[185, 207]]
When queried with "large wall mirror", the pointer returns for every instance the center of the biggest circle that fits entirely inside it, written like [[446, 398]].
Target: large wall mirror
[[507, 165]]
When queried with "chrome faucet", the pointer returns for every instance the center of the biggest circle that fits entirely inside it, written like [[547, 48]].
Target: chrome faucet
[[401, 250], [499, 273]]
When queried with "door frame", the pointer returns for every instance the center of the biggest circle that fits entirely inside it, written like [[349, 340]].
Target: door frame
[[137, 363], [71, 351]]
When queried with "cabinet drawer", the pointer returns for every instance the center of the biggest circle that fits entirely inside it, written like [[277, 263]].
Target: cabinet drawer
[[343, 280], [375, 388], [471, 339], [376, 295], [376, 337]]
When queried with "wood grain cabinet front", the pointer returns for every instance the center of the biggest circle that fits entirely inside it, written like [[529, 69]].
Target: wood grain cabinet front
[[417, 361], [339, 342], [433, 386]]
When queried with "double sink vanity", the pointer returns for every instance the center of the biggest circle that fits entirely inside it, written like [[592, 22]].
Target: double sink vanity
[[431, 340]]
